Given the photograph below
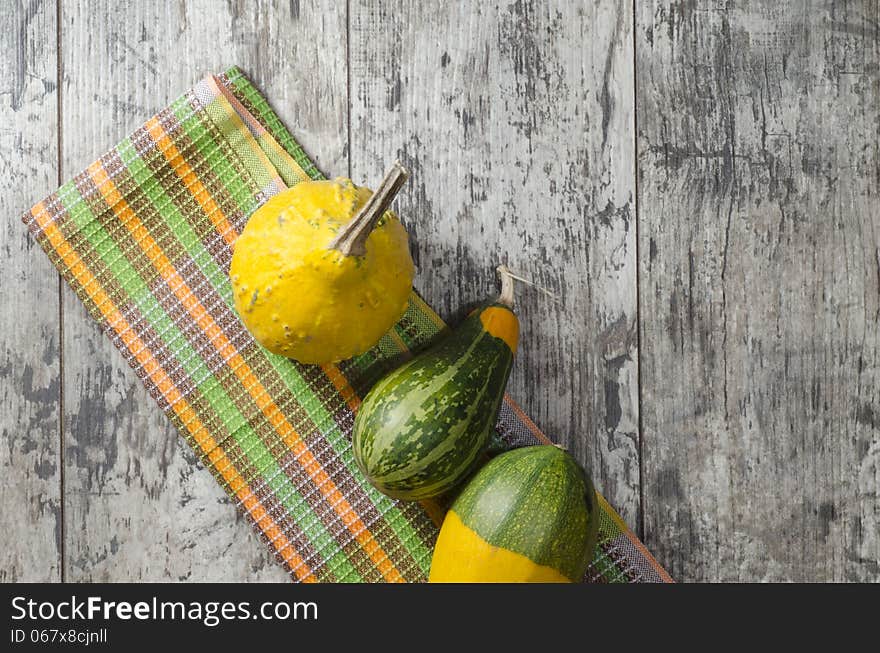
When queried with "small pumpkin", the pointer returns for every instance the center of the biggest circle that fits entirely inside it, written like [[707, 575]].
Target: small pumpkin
[[529, 515], [322, 270]]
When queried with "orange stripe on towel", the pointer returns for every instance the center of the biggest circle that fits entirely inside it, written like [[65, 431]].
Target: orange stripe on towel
[[172, 394]]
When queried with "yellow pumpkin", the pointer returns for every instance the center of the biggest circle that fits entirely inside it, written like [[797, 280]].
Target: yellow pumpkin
[[322, 271]]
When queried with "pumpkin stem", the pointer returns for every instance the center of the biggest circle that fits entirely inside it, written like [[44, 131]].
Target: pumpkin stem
[[506, 276], [352, 238]]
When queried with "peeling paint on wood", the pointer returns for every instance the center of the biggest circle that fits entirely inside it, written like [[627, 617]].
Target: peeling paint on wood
[[760, 298], [740, 326], [30, 493], [516, 121]]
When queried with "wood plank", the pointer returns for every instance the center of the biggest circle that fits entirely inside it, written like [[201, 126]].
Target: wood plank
[[30, 494], [516, 122], [138, 509], [759, 222]]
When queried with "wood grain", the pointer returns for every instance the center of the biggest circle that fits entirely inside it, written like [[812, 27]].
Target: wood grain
[[516, 121], [137, 506], [759, 222], [727, 296], [30, 492]]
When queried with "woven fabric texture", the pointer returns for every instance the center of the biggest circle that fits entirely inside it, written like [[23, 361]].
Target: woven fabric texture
[[144, 236]]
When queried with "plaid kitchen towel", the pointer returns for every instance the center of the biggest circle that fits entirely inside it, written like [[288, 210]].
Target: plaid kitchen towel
[[144, 236]]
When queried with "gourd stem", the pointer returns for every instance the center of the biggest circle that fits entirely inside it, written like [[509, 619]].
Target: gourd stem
[[506, 296], [352, 238]]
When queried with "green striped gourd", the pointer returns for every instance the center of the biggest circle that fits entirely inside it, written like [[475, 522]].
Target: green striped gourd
[[422, 428]]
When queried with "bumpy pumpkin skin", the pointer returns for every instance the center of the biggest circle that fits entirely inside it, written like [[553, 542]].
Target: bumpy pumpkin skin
[[302, 300]]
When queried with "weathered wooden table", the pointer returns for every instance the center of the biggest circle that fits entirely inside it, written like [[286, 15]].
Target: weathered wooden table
[[697, 182]]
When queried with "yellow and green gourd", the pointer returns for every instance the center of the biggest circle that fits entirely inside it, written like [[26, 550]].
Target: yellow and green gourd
[[322, 270], [423, 427], [529, 515]]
